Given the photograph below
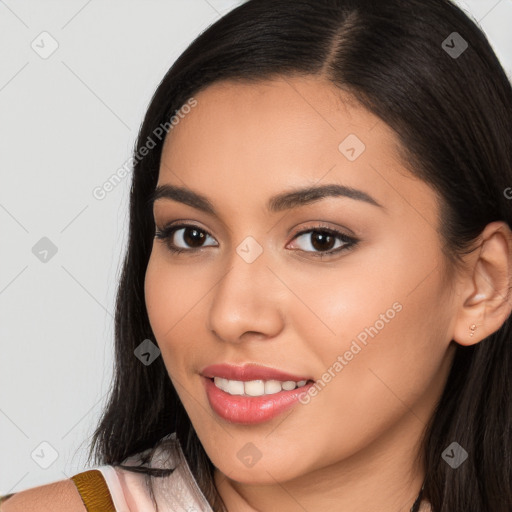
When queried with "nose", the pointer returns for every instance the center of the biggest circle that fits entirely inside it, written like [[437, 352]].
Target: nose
[[247, 302]]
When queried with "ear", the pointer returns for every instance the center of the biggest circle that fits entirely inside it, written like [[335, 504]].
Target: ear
[[486, 297]]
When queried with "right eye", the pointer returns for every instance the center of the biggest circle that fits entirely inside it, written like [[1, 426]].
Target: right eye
[[187, 234]]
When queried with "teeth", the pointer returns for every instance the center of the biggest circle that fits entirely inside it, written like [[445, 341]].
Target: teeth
[[255, 387], [288, 385], [234, 387], [272, 386]]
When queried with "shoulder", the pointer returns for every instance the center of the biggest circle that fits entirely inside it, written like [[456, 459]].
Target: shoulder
[[61, 496]]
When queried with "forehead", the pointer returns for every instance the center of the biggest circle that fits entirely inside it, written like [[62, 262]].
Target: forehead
[[244, 142], [280, 113]]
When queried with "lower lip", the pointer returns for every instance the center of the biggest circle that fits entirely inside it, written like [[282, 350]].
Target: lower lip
[[250, 410]]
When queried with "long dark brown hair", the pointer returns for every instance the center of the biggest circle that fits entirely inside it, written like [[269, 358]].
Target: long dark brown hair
[[453, 117]]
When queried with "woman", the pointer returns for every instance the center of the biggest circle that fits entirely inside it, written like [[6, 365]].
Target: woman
[[315, 307]]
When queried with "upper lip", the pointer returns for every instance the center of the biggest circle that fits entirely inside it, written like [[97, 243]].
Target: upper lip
[[249, 371]]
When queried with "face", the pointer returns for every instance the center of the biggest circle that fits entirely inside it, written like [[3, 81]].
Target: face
[[346, 290]]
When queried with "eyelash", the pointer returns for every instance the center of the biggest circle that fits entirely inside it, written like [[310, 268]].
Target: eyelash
[[350, 242]]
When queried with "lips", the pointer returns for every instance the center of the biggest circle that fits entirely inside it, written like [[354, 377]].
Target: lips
[[249, 410], [250, 371]]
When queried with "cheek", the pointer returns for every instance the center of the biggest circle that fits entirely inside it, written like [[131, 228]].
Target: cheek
[[380, 339], [157, 290], [332, 307], [394, 369], [176, 297], [169, 296]]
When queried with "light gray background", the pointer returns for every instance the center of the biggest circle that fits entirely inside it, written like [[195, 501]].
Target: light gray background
[[67, 123]]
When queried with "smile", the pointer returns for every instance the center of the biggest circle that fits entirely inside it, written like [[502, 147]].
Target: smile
[[256, 387], [249, 409]]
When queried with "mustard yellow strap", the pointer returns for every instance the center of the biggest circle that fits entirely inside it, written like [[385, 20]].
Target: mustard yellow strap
[[94, 491]]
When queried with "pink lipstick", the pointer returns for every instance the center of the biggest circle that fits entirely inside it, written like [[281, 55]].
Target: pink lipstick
[[245, 409]]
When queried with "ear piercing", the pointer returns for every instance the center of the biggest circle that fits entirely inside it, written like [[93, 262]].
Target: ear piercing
[[472, 328]]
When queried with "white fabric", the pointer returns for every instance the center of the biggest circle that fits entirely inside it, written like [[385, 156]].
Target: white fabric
[[177, 492], [115, 488]]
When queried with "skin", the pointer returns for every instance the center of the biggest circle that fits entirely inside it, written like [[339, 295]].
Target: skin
[[354, 444], [61, 496]]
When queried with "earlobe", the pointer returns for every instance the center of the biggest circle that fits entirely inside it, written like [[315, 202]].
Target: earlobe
[[487, 302]]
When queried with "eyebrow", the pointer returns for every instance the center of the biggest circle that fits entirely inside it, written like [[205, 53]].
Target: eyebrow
[[278, 203]]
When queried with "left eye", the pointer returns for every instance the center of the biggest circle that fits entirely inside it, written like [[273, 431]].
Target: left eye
[[321, 240]]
